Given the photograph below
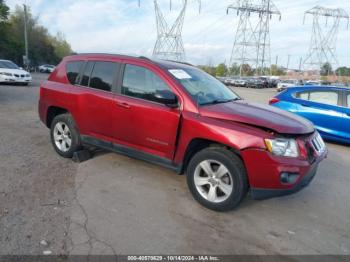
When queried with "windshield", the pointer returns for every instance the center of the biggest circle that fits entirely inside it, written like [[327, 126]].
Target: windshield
[[202, 87], [8, 64]]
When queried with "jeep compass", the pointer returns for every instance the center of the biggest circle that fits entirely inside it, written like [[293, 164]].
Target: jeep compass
[[175, 115]]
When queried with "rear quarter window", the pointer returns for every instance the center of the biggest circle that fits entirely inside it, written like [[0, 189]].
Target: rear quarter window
[[322, 97], [73, 70]]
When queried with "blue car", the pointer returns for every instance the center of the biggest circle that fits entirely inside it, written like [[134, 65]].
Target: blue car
[[327, 107]]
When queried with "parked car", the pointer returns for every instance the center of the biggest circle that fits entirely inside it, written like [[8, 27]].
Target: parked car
[[284, 84], [177, 116], [327, 107], [46, 68], [256, 83], [239, 82], [11, 73]]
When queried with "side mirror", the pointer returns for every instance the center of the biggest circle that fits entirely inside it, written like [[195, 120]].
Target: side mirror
[[167, 98], [21, 68]]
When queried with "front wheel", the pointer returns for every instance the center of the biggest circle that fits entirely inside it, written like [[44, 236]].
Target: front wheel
[[217, 179], [65, 137]]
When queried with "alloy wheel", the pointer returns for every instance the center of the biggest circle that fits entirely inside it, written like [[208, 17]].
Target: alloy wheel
[[213, 181], [62, 136]]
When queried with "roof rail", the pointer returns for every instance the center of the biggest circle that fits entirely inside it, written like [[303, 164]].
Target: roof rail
[[184, 63]]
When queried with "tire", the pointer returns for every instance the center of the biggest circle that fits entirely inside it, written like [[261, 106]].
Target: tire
[[70, 136], [235, 178]]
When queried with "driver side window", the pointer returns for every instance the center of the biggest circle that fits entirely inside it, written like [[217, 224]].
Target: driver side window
[[140, 82]]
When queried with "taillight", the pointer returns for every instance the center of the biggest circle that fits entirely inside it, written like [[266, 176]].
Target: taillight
[[273, 100]]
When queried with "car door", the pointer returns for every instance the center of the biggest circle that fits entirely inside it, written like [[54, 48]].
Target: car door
[[346, 111], [96, 98], [322, 107], [139, 121]]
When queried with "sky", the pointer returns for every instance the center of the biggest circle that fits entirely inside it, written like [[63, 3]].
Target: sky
[[121, 26]]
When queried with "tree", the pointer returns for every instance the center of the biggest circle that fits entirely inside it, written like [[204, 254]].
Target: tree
[[326, 69], [43, 48], [221, 70], [61, 46], [276, 71], [234, 70], [4, 11], [247, 70], [343, 71]]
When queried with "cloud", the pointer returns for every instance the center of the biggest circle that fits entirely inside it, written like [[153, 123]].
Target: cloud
[[120, 26]]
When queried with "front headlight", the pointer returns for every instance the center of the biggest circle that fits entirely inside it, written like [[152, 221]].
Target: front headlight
[[6, 74], [282, 147]]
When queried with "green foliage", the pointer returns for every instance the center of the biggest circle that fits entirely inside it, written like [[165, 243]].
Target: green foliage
[[4, 11], [343, 71], [221, 70], [276, 71], [43, 48], [211, 70]]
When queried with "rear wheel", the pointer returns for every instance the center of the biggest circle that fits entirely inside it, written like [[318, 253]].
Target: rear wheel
[[65, 137], [217, 179]]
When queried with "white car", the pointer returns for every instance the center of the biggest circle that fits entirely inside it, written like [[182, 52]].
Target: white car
[[11, 73], [46, 68], [284, 84]]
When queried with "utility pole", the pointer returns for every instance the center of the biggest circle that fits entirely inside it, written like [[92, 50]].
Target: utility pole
[[26, 58], [288, 62], [300, 63], [276, 61]]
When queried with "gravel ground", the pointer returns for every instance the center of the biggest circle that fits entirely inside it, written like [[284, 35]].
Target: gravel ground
[[36, 186], [116, 205]]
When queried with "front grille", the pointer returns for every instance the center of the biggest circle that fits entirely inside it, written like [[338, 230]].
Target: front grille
[[314, 146], [318, 144]]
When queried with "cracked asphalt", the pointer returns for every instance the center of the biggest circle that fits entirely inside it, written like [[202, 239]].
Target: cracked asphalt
[[112, 204]]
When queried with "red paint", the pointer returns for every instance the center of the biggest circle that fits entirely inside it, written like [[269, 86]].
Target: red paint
[[167, 132]]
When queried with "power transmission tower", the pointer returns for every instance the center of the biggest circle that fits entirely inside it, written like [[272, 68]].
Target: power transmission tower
[[252, 42], [324, 39], [169, 44]]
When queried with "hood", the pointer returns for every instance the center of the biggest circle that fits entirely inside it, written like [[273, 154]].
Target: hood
[[259, 115], [14, 71]]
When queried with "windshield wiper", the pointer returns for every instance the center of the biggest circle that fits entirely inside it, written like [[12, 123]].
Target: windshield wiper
[[219, 101]]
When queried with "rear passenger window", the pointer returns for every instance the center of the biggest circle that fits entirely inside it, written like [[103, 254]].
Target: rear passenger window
[[322, 97], [142, 83], [348, 99], [103, 75], [99, 75], [304, 95], [328, 98], [73, 70]]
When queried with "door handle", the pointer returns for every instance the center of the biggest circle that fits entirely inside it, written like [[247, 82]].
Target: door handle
[[305, 105], [123, 105]]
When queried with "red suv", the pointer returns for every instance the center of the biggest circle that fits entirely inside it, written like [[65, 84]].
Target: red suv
[[177, 116]]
